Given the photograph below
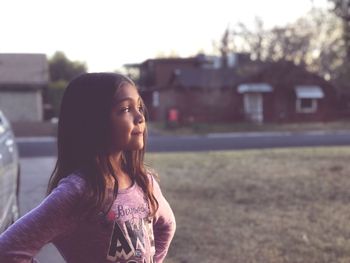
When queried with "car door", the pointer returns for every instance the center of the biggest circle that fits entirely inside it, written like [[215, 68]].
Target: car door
[[3, 184], [9, 171]]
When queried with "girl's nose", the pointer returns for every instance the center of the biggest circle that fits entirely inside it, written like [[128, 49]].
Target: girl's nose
[[139, 118]]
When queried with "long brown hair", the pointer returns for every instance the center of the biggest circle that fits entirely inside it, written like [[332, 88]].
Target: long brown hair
[[84, 137]]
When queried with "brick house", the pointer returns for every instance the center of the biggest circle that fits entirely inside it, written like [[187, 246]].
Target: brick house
[[343, 105], [282, 91], [197, 87], [200, 89], [23, 77]]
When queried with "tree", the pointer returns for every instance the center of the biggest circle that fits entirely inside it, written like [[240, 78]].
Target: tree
[[291, 42], [241, 39], [325, 50], [61, 68], [250, 40], [224, 48], [342, 9], [313, 41]]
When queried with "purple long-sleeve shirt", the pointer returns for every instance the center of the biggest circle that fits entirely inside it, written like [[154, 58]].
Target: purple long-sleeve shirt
[[125, 234]]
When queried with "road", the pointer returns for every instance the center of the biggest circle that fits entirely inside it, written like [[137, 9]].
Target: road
[[35, 173], [46, 146]]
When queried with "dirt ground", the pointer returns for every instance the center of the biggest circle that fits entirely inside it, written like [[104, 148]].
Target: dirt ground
[[281, 205]]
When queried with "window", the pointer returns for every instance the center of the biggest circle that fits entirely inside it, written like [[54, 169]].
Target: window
[[307, 97], [2, 124], [306, 105]]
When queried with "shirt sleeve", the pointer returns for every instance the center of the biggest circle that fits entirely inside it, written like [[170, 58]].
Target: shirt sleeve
[[57, 214], [164, 225]]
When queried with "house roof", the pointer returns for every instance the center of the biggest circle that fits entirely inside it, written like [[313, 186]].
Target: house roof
[[204, 78], [285, 75], [199, 59], [286, 72], [23, 69]]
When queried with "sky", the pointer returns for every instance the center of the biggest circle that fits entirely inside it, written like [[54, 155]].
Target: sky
[[106, 34]]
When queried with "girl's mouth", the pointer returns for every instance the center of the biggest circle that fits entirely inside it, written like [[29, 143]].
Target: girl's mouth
[[138, 133]]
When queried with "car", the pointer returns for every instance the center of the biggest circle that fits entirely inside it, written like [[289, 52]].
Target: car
[[9, 175]]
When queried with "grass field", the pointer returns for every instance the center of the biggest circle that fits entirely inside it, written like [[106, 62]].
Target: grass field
[[280, 205]]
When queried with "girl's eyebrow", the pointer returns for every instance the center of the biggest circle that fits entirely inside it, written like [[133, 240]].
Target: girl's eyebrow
[[127, 98]]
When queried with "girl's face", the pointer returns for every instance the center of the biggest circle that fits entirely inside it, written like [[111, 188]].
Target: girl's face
[[127, 119]]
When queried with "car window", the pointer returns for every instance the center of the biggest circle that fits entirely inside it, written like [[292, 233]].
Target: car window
[[3, 123]]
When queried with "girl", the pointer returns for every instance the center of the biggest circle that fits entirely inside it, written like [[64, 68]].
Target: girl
[[103, 204]]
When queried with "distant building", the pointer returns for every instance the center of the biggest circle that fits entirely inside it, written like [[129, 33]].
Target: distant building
[[23, 77], [284, 92], [201, 89], [343, 104]]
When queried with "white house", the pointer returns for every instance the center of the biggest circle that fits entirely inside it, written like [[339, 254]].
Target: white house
[[23, 77]]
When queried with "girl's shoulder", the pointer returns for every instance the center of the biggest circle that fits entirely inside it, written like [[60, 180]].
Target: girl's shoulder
[[75, 183], [154, 179], [152, 175]]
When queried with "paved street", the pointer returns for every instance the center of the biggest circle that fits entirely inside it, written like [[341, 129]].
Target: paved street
[[46, 146], [35, 175]]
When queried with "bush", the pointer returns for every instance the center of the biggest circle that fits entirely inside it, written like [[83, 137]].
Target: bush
[[55, 94]]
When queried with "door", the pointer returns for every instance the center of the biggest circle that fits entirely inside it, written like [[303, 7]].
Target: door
[[253, 107]]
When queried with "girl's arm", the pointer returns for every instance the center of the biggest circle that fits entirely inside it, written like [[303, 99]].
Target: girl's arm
[[163, 225], [57, 214]]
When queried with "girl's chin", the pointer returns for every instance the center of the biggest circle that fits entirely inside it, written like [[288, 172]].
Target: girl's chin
[[133, 147], [136, 147]]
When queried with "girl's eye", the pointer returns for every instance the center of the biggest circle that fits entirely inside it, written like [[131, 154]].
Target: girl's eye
[[125, 109], [128, 109]]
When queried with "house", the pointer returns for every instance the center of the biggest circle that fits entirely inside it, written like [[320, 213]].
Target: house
[[200, 89], [282, 91], [203, 95], [343, 103], [23, 77]]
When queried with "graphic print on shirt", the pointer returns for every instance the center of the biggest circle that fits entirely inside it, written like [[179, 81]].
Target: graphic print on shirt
[[130, 241]]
